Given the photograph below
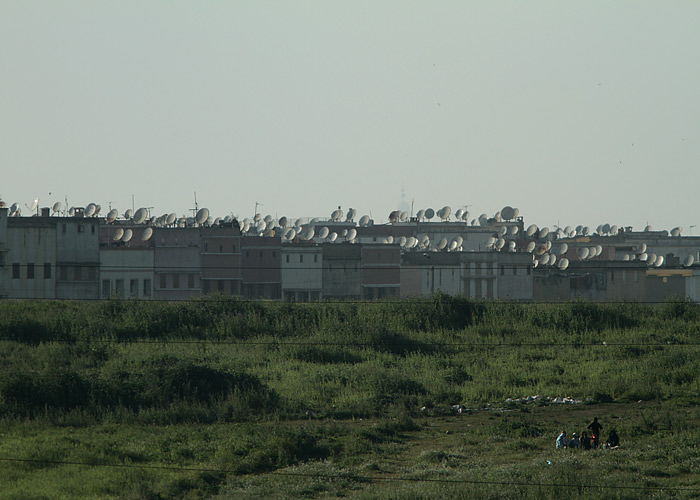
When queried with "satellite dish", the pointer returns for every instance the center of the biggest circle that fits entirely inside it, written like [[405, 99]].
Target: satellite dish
[[458, 213], [583, 253], [483, 220], [507, 213], [35, 204], [445, 212], [544, 260], [511, 246], [411, 242], [291, 234], [147, 233], [563, 263], [676, 231], [643, 257], [323, 233], [552, 259], [352, 233], [429, 213], [128, 214], [531, 247], [420, 214], [267, 218], [97, 209], [535, 263], [544, 232], [659, 261], [269, 233], [403, 216], [500, 243], [170, 220], [651, 259], [394, 216], [140, 215], [647, 229], [89, 210], [567, 229], [442, 243], [598, 250], [257, 217], [613, 230], [513, 230], [459, 240], [112, 215], [531, 230], [390, 239], [491, 241], [203, 215], [14, 208], [309, 233], [260, 226], [425, 240], [626, 257], [332, 237], [641, 248], [402, 241], [56, 207], [548, 245], [336, 214], [563, 249], [282, 222], [209, 221], [465, 216], [364, 220], [350, 215], [502, 230], [118, 234], [128, 233], [606, 228], [689, 261]]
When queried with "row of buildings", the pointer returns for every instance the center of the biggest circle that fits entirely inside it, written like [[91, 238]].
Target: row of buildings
[[83, 258]]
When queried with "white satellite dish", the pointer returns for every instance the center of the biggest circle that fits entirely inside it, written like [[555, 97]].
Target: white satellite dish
[[659, 261], [626, 257], [535, 263], [531, 230], [491, 241], [442, 243], [544, 260], [118, 234], [445, 212], [364, 220], [323, 233], [511, 246], [425, 240], [689, 261], [282, 222], [269, 233], [613, 230], [641, 248], [420, 214], [429, 213], [500, 243], [170, 219], [257, 217], [309, 233], [606, 228], [513, 230], [268, 218], [411, 241], [350, 215], [459, 241], [402, 241], [260, 226], [563, 249], [89, 210], [112, 215], [13, 208], [507, 213], [651, 259], [291, 234], [140, 215], [676, 231], [548, 245], [563, 263], [544, 232], [390, 239], [203, 215], [643, 257], [483, 220], [531, 247], [403, 216], [502, 230], [552, 259], [465, 216], [452, 247], [128, 233], [35, 204], [332, 237], [352, 233], [458, 213], [598, 250], [128, 214], [56, 207], [647, 229], [583, 253], [147, 233], [567, 229]]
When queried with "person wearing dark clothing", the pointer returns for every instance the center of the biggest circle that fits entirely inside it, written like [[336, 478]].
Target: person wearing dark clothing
[[585, 441], [613, 439], [574, 443], [595, 428]]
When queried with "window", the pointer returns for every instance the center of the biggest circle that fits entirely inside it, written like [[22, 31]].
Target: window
[[247, 253], [206, 246], [503, 270], [106, 288], [287, 259], [64, 229], [315, 258], [612, 275], [78, 273], [146, 287], [30, 271], [205, 285], [221, 249], [93, 229], [636, 276], [15, 271], [133, 288], [47, 271], [234, 287], [261, 254], [176, 280], [190, 280], [233, 248], [301, 259], [163, 280], [92, 273], [81, 228], [119, 287], [515, 270], [274, 254]]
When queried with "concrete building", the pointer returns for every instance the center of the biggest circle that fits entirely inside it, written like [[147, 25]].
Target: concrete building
[[77, 256], [177, 263], [260, 267], [302, 272], [220, 253], [4, 251], [342, 276], [380, 271]]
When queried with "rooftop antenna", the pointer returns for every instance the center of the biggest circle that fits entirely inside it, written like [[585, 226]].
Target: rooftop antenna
[[256, 208], [196, 207]]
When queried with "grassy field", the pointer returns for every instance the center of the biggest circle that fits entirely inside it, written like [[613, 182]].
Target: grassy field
[[223, 398]]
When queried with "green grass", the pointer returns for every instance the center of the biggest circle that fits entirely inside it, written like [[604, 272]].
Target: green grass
[[221, 398]]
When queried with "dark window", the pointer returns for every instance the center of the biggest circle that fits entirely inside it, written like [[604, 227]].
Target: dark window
[[147, 287], [261, 254], [287, 259], [176, 280], [15, 271], [78, 273], [233, 248], [221, 249], [163, 280], [47, 271], [205, 285], [234, 288], [133, 288], [64, 272], [515, 270], [93, 229], [529, 268], [503, 270], [206, 246], [274, 254], [612, 275], [30, 271], [119, 287], [190, 280], [221, 285], [247, 253], [92, 273], [315, 258], [106, 289], [301, 258], [81, 228]]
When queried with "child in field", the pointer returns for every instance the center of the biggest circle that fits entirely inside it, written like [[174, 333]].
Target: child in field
[[585, 441], [613, 439], [562, 440]]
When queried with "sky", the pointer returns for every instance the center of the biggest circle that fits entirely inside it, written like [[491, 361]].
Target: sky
[[581, 112]]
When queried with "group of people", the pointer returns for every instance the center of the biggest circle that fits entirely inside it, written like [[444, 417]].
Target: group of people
[[587, 442]]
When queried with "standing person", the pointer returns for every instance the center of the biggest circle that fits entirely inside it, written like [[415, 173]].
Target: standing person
[[562, 440], [595, 428], [585, 441]]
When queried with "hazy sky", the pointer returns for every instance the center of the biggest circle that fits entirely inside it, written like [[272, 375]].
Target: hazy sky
[[574, 112]]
